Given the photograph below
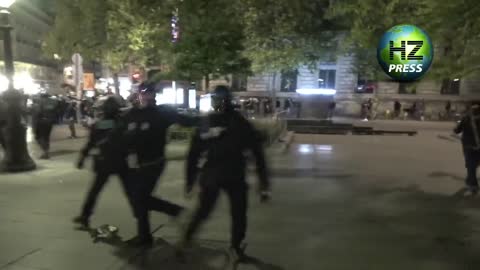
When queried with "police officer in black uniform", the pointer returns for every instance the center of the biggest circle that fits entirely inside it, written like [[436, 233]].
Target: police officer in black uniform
[[469, 126], [224, 137], [45, 115], [146, 133], [106, 138]]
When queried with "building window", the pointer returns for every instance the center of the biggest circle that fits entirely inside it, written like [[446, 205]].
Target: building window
[[407, 88], [450, 87], [239, 82], [326, 78], [289, 81]]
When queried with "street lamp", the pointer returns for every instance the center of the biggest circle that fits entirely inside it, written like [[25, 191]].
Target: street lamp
[[16, 157]]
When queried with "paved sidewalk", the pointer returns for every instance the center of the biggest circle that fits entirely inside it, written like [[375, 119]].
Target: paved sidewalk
[[399, 124], [340, 202]]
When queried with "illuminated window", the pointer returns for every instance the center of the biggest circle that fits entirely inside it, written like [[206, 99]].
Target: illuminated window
[[289, 81], [326, 78], [179, 96], [169, 96]]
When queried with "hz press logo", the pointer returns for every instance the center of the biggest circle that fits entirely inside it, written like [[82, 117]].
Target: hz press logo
[[405, 52]]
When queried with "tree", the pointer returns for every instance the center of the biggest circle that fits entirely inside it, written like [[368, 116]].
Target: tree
[[452, 26], [283, 34], [79, 27], [211, 40], [115, 32]]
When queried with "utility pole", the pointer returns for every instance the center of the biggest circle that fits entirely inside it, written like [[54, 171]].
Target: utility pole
[[16, 157]]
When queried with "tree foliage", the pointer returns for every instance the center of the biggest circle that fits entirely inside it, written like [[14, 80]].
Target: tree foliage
[[211, 39], [116, 32], [452, 25], [281, 34]]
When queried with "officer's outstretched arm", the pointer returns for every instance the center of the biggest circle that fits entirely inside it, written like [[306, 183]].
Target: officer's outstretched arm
[[187, 121], [196, 149], [176, 118]]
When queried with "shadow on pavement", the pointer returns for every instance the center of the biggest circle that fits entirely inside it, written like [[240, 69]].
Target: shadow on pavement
[[162, 256], [445, 174]]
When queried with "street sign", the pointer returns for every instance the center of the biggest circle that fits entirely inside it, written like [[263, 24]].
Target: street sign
[[77, 69], [78, 78], [77, 59], [88, 81]]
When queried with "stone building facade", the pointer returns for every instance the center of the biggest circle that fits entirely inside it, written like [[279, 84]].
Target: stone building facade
[[350, 92], [31, 24]]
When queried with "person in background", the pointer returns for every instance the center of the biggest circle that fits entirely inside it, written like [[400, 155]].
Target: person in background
[[46, 116], [421, 110], [331, 110], [71, 116], [469, 128], [448, 110], [397, 108], [413, 110]]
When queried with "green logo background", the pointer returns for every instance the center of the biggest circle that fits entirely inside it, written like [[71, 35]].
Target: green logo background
[[404, 32]]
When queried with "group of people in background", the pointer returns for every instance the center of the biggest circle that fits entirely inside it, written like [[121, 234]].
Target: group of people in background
[[416, 111]]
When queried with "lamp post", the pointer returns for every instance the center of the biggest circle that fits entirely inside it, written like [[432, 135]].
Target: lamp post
[[16, 157]]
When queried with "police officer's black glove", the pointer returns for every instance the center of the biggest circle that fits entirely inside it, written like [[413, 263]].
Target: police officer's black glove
[[265, 196]]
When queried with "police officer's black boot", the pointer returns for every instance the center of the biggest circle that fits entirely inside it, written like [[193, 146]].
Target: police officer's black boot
[[140, 242], [144, 239], [237, 252], [472, 181], [82, 221]]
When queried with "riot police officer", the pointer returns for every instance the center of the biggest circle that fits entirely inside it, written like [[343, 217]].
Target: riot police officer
[[224, 138], [146, 133], [106, 137], [45, 115], [469, 126]]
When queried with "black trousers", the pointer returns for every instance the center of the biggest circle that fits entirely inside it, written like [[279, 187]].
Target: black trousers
[[238, 198], [71, 126], [101, 178], [472, 160], [144, 181], [43, 129]]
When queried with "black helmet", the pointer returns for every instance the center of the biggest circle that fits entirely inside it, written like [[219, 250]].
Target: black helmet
[[222, 98], [109, 106]]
